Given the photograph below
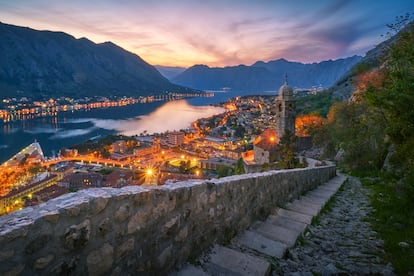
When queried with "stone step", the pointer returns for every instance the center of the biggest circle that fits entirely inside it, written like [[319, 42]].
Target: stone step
[[189, 270], [226, 261], [287, 223], [272, 237], [278, 233], [304, 208], [294, 215], [320, 194], [259, 243], [313, 200]]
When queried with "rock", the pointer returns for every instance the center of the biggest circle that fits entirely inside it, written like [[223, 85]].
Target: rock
[[100, 204], [138, 220], [330, 269], [76, 236], [403, 244], [4, 255], [51, 217], [122, 213], [105, 226], [182, 235], [43, 262], [15, 271], [100, 261], [124, 248], [164, 256]]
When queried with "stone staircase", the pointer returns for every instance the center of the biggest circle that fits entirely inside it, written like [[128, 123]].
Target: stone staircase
[[251, 252]]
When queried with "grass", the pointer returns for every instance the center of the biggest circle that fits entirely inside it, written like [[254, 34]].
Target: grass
[[393, 219]]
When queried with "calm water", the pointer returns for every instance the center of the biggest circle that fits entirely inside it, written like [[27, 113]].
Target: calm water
[[73, 128]]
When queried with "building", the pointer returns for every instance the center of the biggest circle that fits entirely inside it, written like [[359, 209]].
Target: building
[[264, 147], [147, 148], [119, 146], [285, 111], [176, 138], [85, 180], [215, 163]]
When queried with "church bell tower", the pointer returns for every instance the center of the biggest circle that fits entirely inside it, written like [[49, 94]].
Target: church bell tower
[[285, 110]]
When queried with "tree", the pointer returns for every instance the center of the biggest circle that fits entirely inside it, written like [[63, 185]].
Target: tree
[[239, 168], [395, 100], [286, 151]]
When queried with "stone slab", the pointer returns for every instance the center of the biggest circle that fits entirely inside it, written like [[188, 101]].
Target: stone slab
[[322, 194], [288, 223], [294, 215], [226, 261], [278, 233], [189, 270], [304, 208], [317, 197], [255, 241], [313, 200]]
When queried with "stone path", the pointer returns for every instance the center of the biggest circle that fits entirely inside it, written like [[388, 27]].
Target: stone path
[[342, 242], [265, 243]]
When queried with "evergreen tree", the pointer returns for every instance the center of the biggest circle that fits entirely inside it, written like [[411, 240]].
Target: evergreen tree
[[286, 151]]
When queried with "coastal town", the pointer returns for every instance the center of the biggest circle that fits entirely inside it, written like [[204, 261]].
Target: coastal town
[[12, 109], [242, 139]]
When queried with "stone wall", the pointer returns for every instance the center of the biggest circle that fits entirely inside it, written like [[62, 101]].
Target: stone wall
[[142, 230]]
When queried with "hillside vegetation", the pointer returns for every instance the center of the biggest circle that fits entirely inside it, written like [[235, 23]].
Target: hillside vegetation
[[372, 135]]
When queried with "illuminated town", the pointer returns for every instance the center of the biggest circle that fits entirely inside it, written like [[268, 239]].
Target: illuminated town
[[212, 147], [12, 109]]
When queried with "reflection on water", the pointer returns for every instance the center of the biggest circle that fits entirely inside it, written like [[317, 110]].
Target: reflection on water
[[171, 116], [73, 128]]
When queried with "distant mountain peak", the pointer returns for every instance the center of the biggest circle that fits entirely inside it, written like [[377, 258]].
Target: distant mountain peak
[[265, 76], [46, 63]]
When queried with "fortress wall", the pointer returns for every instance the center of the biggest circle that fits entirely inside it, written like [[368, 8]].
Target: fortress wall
[[143, 230]]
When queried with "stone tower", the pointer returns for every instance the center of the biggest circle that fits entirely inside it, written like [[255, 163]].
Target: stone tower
[[285, 110]]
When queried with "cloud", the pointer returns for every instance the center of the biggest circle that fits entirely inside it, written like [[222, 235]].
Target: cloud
[[215, 32]]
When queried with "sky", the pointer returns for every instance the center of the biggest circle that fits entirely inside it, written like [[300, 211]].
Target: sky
[[217, 32]]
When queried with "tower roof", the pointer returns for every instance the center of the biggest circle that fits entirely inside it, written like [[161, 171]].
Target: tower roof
[[285, 90]]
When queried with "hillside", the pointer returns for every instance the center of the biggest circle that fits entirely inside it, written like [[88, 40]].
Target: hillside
[[49, 64], [344, 87], [266, 76], [169, 72]]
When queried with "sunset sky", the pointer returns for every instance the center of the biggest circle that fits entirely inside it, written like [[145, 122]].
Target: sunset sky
[[217, 32]]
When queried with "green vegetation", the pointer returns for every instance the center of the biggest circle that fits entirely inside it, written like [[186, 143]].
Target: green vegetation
[[239, 168], [223, 171], [374, 134], [393, 219], [315, 104], [286, 151]]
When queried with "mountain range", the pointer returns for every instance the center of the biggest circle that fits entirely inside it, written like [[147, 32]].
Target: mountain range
[[170, 72], [266, 76], [48, 64]]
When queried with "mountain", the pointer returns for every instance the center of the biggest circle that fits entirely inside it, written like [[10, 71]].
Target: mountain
[[49, 64], [373, 59], [169, 72], [266, 76]]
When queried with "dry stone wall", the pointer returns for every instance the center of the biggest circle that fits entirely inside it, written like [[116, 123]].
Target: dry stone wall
[[142, 230]]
